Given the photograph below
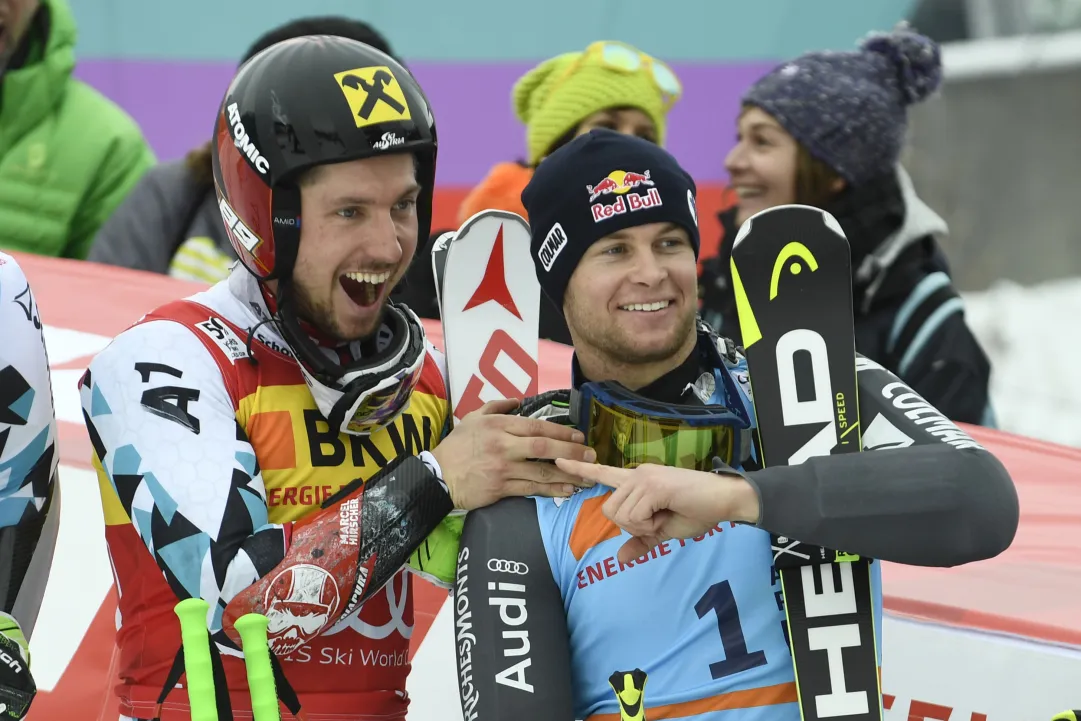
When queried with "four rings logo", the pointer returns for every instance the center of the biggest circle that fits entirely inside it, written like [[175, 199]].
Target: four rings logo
[[498, 565]]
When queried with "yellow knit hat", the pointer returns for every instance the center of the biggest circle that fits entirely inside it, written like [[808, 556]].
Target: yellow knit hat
[[557, 95]]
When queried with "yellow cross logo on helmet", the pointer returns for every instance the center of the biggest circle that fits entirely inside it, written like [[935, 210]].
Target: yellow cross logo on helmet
[[374, 95]]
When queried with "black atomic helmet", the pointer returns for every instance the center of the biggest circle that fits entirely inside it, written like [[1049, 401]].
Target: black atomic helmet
[[305, 102], [300, 103]]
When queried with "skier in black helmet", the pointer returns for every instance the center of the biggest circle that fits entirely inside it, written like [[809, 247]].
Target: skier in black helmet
[[280, 443]]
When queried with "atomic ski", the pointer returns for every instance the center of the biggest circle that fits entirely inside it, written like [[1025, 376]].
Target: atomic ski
[[490, 309], [791, 273]]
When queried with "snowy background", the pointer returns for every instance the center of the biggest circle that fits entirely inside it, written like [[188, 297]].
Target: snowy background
[[1033, 338]]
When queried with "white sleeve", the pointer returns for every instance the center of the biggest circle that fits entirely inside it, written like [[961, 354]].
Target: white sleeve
[[164, 428], [28, 457]]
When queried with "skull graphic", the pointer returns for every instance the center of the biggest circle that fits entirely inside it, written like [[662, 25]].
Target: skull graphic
[[300, 602]]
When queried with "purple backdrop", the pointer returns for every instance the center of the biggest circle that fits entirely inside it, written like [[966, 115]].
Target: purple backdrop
[[175, 103]]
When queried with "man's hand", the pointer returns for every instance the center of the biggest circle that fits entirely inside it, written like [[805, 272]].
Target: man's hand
[[657, 503], [489, 456], [17, 687]]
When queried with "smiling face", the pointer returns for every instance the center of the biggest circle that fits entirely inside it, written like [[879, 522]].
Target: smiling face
[[15, 16], [633, 297], [762, 165], [358, 235]]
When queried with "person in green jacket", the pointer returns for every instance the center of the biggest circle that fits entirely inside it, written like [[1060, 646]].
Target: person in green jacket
[[68, 155]]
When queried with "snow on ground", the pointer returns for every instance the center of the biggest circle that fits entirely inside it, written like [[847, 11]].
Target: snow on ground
[[1033, 337]]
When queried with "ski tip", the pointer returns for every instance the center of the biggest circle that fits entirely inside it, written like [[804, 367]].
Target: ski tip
[[832, 224], [443, 241], [827, 219], [505, 216], [744, 230]]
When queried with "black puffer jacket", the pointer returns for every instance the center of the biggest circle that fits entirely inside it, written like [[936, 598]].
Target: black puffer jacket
[[909, 317]]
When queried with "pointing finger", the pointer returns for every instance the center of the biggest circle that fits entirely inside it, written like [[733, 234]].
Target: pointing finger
[[607, 475]]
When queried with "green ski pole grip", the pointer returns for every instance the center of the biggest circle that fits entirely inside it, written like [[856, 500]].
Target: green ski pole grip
[[195, 638], [264, 697]]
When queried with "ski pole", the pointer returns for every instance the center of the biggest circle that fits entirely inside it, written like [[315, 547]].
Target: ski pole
[[195, 640], [630, 690], [253, 642]]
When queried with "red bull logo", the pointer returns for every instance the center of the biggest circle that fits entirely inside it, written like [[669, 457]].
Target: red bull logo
[[618, 182], [626, 203]]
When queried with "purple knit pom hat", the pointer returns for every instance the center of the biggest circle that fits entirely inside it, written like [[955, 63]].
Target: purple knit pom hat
[[850, 109]]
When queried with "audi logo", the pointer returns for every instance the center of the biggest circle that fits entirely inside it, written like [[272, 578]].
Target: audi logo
[[498, 565]]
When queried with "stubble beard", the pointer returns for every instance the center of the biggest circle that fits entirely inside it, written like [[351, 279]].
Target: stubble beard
[[611, 341], [321, 316]]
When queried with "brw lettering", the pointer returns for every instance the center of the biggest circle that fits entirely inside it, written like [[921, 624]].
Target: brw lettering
[[329, 450]]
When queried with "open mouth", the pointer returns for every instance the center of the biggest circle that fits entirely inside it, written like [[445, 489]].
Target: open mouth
[[364, 289]]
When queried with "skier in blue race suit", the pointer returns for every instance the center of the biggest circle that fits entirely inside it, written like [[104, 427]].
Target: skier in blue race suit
[[548, 607], [29, 493]]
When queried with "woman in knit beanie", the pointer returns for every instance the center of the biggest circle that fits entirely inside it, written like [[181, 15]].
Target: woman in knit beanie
[[608, 85], [827, 130]]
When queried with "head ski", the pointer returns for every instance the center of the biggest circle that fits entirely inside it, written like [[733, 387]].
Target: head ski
[[791, 272]]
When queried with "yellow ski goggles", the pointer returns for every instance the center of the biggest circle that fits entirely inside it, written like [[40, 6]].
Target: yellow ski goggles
[[627, 430], [625, 58]]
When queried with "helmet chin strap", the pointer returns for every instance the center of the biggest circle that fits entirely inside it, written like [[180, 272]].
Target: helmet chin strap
[[306, 350]]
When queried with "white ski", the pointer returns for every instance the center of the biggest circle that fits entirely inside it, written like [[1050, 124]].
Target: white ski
[[490, 308]]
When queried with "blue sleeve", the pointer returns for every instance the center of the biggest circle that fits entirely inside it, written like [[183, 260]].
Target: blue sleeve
[[28, 456]]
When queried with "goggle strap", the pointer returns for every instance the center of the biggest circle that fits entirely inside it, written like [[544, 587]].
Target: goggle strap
[[575, 411]]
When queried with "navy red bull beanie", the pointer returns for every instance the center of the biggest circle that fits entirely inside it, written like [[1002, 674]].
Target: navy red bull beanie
[[597, 184]]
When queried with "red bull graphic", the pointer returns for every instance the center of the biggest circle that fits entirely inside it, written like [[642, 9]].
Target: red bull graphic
[[626, 203], [618, 182]]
